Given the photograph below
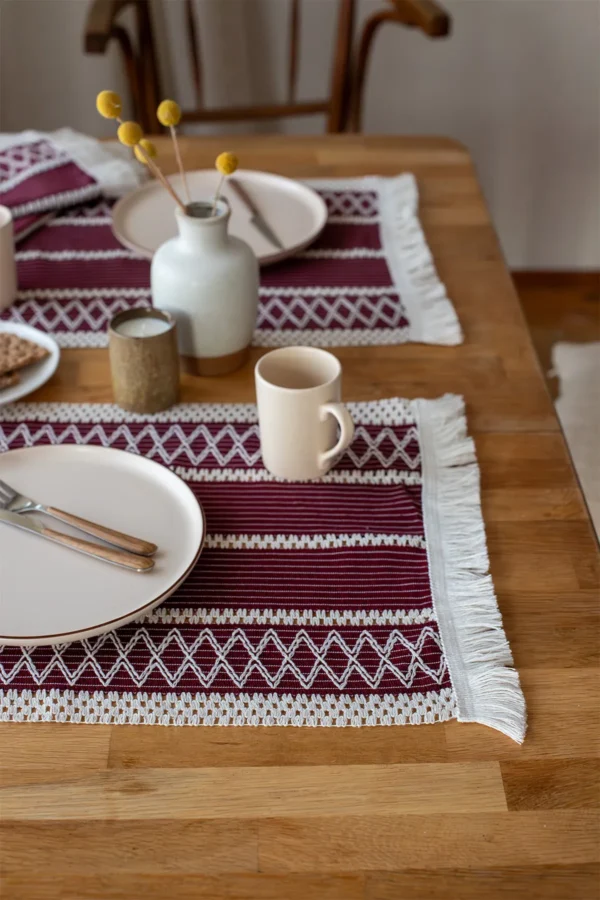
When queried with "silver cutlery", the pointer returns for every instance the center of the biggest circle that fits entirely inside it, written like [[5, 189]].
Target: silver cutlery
[[14, 502], [108, 554], [257, 219]]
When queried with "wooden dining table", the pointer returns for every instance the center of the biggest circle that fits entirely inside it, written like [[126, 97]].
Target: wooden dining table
[[111, 811]]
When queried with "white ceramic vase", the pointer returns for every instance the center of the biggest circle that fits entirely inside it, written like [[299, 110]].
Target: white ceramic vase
[[207, 280]]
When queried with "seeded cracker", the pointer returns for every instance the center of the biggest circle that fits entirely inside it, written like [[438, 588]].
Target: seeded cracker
[[9, 380], [16, 352]]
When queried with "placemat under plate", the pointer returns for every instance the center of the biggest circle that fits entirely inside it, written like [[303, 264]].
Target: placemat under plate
[[369, 279], [360, 599]]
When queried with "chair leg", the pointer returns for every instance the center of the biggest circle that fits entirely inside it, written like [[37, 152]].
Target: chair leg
[[368, 33], [148, 69], [131, 71], [338, 106]]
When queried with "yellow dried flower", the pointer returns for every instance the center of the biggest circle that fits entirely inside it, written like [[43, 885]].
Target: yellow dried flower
[[226, 163], [146, 145], [108, 104], [168, 113], [129, 133]]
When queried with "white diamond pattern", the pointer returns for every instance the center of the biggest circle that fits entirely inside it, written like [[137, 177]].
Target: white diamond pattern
[[25, 160], [343, 311], [303, 658], [351, 203]]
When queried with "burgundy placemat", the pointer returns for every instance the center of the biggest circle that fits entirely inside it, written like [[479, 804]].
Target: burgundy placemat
[[37, 178], [369, 279], [360, 599]]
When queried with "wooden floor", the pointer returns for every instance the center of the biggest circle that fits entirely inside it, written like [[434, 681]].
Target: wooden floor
[[451, 811], [559, 307]]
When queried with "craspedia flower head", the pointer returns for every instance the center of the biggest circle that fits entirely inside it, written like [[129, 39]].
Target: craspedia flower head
[[146, 145], [108, 104], [168, 113], [226, 163], [129, 133]]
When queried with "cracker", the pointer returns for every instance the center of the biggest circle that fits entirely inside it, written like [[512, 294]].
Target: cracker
[[16, 352], [9, 380]]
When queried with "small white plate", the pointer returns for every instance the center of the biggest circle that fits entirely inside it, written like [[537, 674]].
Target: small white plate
[[50, 594], [32, 377], [144, 219]]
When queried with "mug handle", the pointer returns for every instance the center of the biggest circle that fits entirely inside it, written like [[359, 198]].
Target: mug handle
[[346, 429]]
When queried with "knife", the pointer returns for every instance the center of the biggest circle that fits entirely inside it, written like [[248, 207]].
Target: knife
[[108, 554], [257, 219]]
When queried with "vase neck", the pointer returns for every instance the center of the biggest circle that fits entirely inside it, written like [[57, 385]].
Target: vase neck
[[203, 233]]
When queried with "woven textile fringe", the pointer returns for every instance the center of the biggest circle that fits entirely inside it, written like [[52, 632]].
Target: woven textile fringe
[[431, 314], [486, 686]]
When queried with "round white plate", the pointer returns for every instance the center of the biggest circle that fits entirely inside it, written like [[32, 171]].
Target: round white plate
[[32, 377], [144, 219], [50, 594]]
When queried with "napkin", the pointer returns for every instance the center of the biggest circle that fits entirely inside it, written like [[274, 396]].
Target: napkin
[[42, 173]]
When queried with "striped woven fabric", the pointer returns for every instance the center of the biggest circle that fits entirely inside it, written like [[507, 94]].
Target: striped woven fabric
[[37, 178], [368, 279], [359, 599]]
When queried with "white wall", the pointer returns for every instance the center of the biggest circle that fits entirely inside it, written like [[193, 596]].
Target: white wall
[[518, 83]]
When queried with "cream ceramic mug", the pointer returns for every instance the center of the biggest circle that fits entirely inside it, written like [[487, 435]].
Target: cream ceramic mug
[[298, 391]]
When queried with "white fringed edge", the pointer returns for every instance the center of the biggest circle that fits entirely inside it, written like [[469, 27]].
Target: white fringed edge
[[312, 710], [432, 318], [431, 315], [486, 686]]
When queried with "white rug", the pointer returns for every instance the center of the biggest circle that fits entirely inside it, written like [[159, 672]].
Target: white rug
[[578, 406]]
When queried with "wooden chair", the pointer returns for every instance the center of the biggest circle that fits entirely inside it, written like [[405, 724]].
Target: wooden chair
[[104, 25]]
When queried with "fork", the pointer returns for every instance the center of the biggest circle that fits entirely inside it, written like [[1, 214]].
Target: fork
[[14, 502]]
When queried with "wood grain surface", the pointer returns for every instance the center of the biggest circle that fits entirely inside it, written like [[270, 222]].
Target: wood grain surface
[[441, 812]]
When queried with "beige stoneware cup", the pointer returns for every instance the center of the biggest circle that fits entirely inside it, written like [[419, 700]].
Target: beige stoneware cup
[[298, 391]]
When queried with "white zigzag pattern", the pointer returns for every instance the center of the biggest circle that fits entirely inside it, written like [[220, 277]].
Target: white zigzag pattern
[[51, 315], [238, 641], [207, 442], [344, 311]]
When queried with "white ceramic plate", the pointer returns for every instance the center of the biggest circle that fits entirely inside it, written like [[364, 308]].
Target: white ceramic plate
[[50, 594], [32, 377], [144, 219]]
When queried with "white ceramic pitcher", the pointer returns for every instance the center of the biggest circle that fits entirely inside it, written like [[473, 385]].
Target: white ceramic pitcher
[[208, 280]]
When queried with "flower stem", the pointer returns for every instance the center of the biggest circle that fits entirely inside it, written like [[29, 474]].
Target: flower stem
[[158, 174], [179, 162], [217, 192]]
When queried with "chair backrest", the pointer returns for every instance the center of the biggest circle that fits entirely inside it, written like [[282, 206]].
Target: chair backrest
[[334, 107], [341, 107]]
